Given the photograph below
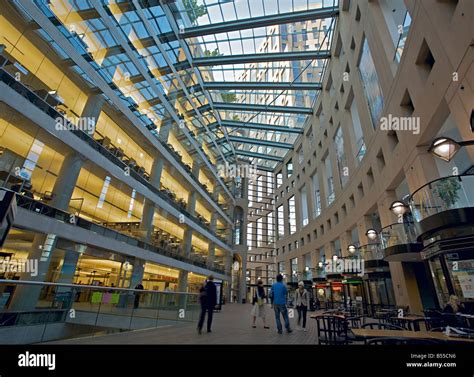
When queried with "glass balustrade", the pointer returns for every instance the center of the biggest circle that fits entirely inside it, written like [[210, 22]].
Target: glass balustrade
[[371, 251], [96, 306], [453, 192], [397, 234], [43, 209]]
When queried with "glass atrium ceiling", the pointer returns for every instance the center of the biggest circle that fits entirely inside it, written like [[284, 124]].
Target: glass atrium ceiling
[[239, 76]]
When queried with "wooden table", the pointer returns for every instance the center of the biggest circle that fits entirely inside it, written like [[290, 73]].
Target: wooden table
[[413, 320], [373, 333]]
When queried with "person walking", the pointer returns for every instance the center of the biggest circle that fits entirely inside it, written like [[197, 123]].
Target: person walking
[[136, 302], [278, 295], [302, 304], [258, 302], [208, 300]]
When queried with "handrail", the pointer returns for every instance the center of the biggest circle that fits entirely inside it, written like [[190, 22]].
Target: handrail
[[459, 177], [97, 146], [393, 224], [66, 285], [139, 243]]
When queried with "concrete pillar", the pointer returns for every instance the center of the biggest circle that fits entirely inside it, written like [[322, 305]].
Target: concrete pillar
[[66, 181], [137, 272], [164, 132], [146, 225], [187, 241], [212, 246], [26, 297], [211, 254], [243, 280], [68, 269], [183, 281], [92, 110]]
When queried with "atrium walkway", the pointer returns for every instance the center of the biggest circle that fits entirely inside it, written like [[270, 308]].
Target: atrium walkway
[[230, 326]]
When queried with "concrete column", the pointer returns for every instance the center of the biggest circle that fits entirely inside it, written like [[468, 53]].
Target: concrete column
[[243, 280], [183, 281], [137, 272], [92, 110], [66, 181], [192, 197], [146, 225], [187, 241], [68, 269], [26, 297], [164, 132], [211, 254]]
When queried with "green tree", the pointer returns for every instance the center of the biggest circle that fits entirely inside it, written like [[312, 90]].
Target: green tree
[[448, 191], [208, 53], [228, 97], [194, 10]]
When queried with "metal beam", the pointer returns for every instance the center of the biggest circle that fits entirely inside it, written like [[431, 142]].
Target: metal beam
[[261, 126], [266, 143], [262, 108], [250, 23], [258, 58], [262, 85], [265, 168], [258, 155]]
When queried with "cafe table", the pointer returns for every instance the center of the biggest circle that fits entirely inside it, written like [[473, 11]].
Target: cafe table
[[365, 334], [413, 321]]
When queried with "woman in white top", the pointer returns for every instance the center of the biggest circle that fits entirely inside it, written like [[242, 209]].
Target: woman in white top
[[258, 302], [302, 304]]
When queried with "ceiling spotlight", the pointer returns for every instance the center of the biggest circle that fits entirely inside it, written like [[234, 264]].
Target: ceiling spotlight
[[351, 249], [371, 234], [399, 208]]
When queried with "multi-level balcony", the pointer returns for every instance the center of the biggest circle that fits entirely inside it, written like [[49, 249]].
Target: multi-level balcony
[[443, 203], [399, 243], [106, 149], [160, 242]]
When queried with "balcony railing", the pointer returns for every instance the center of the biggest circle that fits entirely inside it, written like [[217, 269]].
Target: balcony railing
[[443, 194], [52, 112], [397, 234], [371, 251], [97, 306], [43, 209]]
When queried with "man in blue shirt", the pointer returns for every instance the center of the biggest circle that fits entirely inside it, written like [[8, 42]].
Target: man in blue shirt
[[278, 295]]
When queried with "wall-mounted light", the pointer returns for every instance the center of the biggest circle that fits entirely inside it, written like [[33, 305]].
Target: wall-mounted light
[[335, 258], [351, 249], [399, 208], [371, 234], [320, 264], [306, 268]]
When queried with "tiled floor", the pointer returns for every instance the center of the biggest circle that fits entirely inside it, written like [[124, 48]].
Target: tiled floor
[[230, 326]]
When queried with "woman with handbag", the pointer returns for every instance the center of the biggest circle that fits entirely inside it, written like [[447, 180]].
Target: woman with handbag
[[258, 302]]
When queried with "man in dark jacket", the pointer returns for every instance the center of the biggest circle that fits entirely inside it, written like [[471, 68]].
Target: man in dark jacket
[[208, 299]]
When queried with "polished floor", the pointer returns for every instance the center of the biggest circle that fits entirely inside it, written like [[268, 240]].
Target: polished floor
[[233, 325]]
